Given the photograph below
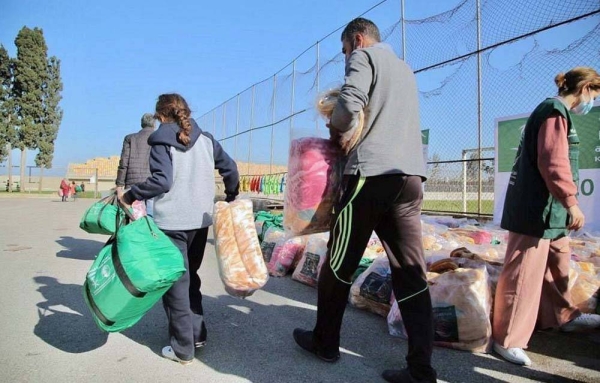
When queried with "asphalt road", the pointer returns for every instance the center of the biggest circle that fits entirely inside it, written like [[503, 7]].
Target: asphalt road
[[47, 333]]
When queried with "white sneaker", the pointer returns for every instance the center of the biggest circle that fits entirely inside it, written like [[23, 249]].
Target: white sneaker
[[582, 322], [168, 353], [514, 355]]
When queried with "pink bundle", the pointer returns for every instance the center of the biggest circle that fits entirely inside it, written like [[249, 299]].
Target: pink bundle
[[285, 255], [314, 174], [481, 237]]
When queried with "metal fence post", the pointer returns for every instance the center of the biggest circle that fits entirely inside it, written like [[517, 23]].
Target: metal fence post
[[9, 150], [318, 78], [479, 117], [251, 127], [273, 122], [464, 188], [403, 30], [293, 97], [224, 125], [214, 129], [237, 127], [96, 183]]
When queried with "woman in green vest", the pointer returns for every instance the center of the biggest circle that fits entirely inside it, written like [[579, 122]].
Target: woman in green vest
[[540, 209]]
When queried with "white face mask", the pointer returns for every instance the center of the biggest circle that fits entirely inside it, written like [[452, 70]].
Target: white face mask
[[584, 107]]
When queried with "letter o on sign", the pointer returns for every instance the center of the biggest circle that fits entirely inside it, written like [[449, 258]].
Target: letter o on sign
[[587, 187]]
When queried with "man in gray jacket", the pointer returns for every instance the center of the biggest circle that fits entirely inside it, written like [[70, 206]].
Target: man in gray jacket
[[134, 165], [382, 192]]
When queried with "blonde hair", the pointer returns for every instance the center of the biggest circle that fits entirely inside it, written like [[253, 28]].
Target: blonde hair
[[173, 108], [574, 80], [325, 105]]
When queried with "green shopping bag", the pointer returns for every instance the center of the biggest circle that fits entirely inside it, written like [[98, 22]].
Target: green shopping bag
[[269, 219], [131, 273], [101, 217]]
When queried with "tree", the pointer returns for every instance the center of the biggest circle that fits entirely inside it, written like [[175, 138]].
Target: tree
[[7, 131], [51, 117], [434, 167], [36, 95]]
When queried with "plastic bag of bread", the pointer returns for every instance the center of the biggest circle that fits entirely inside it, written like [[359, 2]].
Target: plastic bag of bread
[[584, 286], [273, 236], [241, 265], [285, 254], [308, 268], [431, 242], [461, 303], [372, 290], [314, 176], [493, 263], [584, 294]]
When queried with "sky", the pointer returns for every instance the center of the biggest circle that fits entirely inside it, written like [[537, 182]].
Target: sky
[[118, 56]]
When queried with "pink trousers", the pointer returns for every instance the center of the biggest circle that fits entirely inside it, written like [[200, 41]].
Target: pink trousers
[[533, 286]]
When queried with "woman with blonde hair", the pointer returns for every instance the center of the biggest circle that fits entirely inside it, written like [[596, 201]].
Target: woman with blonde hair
[[182, 183], [540, 209]]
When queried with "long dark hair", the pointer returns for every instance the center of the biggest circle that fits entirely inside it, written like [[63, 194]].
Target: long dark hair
[[173, 108]]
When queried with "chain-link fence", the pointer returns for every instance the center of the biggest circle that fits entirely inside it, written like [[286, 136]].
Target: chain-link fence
[[476, 61]]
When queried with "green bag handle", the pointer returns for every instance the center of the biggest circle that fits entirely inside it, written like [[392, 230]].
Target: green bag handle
[[109, 200], [119, 269]]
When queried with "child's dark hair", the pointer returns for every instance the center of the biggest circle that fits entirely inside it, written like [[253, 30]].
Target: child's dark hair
[[173, 108]]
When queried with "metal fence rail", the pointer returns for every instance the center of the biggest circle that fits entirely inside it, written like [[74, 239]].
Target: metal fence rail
[[476, 61]]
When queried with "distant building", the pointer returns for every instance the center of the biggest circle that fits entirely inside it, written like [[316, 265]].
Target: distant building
[[86, 172]]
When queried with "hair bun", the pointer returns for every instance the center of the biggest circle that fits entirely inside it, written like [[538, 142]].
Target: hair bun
[[560, 81]]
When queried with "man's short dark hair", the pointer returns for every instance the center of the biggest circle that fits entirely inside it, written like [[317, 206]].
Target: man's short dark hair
[[362, 26], [148, 120]]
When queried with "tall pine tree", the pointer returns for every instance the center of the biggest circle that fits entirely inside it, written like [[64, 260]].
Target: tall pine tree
[[7, 131], [36, 93], [51, 117]]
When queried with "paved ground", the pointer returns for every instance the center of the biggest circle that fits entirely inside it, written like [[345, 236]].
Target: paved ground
[[48, 335]]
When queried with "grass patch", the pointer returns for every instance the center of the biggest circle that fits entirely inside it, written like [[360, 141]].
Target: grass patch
[[487, 206], [86, 194]]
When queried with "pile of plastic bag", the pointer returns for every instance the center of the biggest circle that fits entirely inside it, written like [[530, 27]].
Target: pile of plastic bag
[[464, 259]]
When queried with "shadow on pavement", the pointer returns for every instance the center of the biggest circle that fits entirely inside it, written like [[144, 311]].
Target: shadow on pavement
[[78, 248], [580, 348], [64, 320], [254, 341]]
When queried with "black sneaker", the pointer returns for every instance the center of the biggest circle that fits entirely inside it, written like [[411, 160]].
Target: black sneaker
[[200, 344], [304, 339], [402, 376]]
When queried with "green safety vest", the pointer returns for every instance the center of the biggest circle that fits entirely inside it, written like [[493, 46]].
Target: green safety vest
[[529, 208]]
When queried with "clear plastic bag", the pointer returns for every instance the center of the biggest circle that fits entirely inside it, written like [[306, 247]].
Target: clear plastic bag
[[315, 171], [314, 254], [372, 290], [584, 286], [273, 236], [285, 255], [241, 265], [461, 301]]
